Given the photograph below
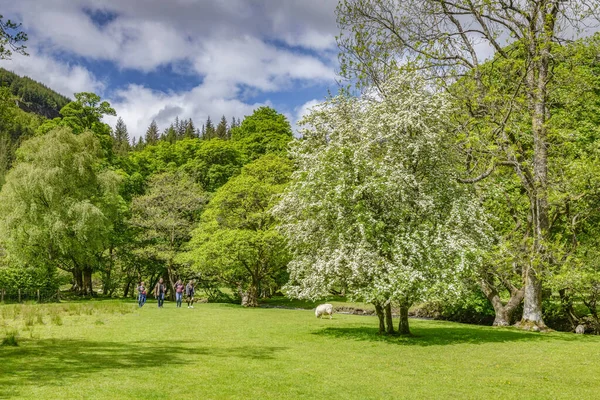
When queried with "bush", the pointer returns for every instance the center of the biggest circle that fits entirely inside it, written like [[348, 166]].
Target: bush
[[471, 308], [11, 339]]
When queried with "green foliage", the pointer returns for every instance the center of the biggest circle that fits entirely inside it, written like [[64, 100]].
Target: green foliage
[[32, 96], [85, 114], [57, 203], [471, 307], [166, 215], [265, 131], [11, 39], [11, 339], [210, 162], [121, 145], [237, 241]]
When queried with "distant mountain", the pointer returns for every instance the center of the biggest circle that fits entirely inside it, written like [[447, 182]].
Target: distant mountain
[[32, 96]]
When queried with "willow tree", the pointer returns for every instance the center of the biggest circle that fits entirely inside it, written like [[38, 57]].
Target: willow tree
[[374, 206], [447, 41], [57, 205]]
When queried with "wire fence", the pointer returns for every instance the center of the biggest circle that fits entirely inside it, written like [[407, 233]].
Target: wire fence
[[11, 295]]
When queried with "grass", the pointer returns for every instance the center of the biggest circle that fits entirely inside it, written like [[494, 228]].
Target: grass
[[223, 351], [336, 301]]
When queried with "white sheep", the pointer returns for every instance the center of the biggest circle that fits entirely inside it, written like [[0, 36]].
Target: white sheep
[[324, 309], [580, 330]]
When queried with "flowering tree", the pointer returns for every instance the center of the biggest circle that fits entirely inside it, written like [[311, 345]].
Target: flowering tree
[[373, 206]]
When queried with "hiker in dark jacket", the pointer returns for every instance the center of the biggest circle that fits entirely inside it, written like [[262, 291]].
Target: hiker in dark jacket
[[159, 292], [189, 292]]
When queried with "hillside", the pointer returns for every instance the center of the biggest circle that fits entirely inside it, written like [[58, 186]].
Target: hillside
[[33, 96]]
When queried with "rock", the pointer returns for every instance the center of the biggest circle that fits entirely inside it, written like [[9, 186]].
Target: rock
[[580, 330]]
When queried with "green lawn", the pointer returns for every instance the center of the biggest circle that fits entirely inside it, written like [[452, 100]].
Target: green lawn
[[220, 351]]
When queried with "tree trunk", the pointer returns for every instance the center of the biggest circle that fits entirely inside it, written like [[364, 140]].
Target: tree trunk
[[403, 327], [504, 312], [532, 304], [87, 281], [171, 281], [126, 289], [566, 304], [389, 322], [537, 80], [250, 296], [77, 280], [381, 316]]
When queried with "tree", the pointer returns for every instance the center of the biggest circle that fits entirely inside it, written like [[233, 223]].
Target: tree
[[57, 203], [170, 135], [208, 130], [237, 241], [85, 114], [209, 162], [7, 112], [11, 39], [221, 131], [190, 130], [441, 39], [233, 124], [151, 137], [265, 131], [214, 162], [166, 215], [121, 138], [374, 206]]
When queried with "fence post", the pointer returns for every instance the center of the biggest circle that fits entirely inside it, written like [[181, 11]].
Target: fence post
[[38, 294], [58, 295], [19, 295], [2, 294]]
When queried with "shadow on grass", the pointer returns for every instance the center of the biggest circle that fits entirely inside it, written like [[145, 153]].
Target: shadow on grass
[[50, 361], [281, 301], [442, 335]]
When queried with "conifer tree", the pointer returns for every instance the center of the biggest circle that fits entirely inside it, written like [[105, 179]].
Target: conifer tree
[[221, 131], [140, 144], [210, 129], [121, 138], [170, 134], [152, 134], [190, 130]]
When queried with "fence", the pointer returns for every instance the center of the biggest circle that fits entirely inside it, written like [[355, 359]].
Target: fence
[[10, 295]]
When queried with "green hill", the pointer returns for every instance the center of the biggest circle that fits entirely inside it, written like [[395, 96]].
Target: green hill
[[33, 96]]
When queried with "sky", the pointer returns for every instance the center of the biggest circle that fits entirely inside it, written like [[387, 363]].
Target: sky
[[161, 59]]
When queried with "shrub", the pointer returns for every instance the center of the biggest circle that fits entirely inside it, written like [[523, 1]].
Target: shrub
[[470, 308], [11, 339]]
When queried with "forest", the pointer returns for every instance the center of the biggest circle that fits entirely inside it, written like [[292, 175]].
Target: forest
[[450, 187]]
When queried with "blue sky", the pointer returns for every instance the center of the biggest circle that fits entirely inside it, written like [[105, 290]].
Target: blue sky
[[157, 59]]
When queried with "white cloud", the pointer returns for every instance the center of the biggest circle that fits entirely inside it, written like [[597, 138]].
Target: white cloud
[[62, 77], [234, 46], [301, 112], [138, 106], [252, 62]]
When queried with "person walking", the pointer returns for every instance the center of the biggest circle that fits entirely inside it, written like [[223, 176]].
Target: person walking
[[159, 292], [189, 292], [141, 294], [179, 292]]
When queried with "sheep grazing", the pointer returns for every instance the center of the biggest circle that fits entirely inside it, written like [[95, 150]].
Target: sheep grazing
[[580, 330], [324, 309]]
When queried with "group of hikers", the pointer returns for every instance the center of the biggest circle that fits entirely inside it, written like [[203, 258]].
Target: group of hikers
[[161, 289]]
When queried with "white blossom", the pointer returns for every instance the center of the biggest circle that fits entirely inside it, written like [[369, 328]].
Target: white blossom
[[373, 206]]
